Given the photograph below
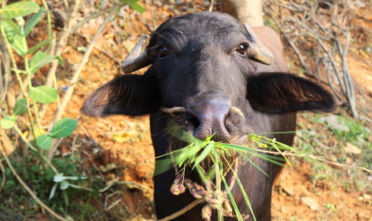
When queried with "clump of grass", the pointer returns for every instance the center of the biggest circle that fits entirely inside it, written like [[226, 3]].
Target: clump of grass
[[212, 161]]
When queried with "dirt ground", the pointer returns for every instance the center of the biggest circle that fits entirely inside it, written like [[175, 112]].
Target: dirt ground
[[126, 141]]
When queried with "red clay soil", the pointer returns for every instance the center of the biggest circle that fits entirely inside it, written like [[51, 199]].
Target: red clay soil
[[126, 141]]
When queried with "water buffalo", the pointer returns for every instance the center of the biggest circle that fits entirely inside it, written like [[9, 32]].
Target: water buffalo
[[225, 79]]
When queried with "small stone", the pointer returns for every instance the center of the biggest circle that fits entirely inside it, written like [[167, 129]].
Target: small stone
[[333, 122], [288, 190], [367, 196], [351, 149], [310, 202]]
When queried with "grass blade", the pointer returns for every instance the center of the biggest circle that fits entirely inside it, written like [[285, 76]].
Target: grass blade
[[245, 195], [231, 197], [204, 154], [253, 164]]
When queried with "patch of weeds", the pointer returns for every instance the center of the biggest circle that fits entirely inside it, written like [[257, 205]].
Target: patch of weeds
[[343, 141], [329, 213], [72, 201], [344, 128]]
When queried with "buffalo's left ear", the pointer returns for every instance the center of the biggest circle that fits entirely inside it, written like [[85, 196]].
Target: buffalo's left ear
[[131, 95], [276, 93]]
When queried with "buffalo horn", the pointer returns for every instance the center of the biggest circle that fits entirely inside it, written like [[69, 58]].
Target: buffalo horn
[[137, 59], [257, 50]]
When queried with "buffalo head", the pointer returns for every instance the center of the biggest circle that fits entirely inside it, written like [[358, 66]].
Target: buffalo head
[[211, 75]]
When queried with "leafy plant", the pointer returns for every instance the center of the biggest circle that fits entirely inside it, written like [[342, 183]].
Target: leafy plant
[[198, 151], [15, 34], [25, 118]]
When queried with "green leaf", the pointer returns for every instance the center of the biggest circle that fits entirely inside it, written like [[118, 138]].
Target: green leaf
[[12, 26], [20, 107], [39, 60], [44, 94], [8, 122], [163, 165], [20, 45], [19, 9], [16, 40], [63, 128], [33, 21], [204, 154], [53, 191], [231, 197], [75, 177], [60, 60], [255, 165], [64, 185], [44, 141], [135, 6], [242, 190], [59, 178]]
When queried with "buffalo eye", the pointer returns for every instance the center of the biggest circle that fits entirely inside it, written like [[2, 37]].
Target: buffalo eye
[[163, 52], [242, 48]]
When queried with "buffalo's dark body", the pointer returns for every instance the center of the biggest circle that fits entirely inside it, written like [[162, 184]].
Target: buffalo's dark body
[[196, 64]]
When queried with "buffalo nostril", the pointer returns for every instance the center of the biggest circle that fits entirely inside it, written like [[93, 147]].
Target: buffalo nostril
[[192, 120], [233, 119], [228, 123]]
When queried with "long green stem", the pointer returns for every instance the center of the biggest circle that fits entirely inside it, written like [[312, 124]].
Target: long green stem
[[34, 104], [35, 149], [218, 184], [49, 21], [16, 71]]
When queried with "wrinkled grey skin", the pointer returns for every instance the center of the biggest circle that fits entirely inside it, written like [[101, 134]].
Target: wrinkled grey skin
[[204, 72]]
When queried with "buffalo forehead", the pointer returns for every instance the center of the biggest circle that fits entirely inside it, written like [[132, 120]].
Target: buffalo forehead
[[197, 30]]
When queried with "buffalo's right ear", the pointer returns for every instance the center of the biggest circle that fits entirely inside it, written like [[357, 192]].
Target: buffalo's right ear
[[129, 95]]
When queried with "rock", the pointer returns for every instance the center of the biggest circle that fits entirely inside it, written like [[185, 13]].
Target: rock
[[351, 149], [333, 122], [310, 202], [367, 196], [288, 190]]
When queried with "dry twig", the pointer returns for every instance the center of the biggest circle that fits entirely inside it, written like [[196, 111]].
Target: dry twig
[[2, 168], [321, 28], [76, 76], [182, 211], [61, 43]]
